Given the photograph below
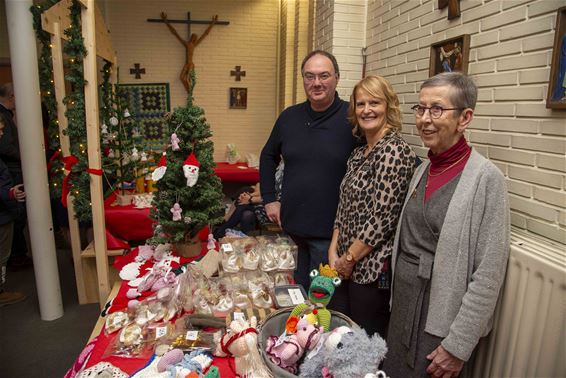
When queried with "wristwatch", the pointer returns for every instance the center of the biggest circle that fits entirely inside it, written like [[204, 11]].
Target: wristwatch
[[350, 257]]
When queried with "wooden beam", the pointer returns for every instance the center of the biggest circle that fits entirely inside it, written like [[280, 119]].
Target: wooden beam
[[93, 140], [57, 14], [104, 47], [59, 84]]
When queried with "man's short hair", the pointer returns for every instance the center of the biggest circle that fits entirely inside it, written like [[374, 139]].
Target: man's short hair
[[323, 53], [465, 91], [6, 90]]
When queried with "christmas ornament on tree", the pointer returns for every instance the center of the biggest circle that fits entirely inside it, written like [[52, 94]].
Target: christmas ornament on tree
[[190, 169], [177, 211], [161, 169], [175, 142], [114, 121]]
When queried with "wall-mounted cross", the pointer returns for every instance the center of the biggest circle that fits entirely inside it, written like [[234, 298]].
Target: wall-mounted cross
[[453, 7], [137, 70], [238, 73], [189, 22]]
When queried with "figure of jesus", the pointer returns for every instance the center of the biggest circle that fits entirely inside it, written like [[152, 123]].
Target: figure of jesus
[[190, 46]]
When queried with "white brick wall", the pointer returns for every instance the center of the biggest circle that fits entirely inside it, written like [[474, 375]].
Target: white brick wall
[[249, 41], [511, 47], [340, 29]]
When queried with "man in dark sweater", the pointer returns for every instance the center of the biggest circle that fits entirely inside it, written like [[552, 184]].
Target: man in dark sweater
[[314, 139]]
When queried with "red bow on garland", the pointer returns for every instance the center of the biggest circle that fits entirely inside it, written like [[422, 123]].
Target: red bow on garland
[[68, 163]]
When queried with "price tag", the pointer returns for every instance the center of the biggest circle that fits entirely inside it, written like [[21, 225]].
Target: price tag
[[296, 296], [160, 332], [239, 315], [192, 335], [227, 247]]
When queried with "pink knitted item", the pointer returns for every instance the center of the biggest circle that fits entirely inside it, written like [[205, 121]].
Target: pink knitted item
[[132, 293], [172, 357], [168, 280]]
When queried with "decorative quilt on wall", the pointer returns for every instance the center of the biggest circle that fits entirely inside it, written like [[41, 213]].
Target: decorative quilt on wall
[[148, 103]]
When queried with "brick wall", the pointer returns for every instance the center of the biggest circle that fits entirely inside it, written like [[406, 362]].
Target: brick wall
[[340, 29], [511, 49], [249, 41]]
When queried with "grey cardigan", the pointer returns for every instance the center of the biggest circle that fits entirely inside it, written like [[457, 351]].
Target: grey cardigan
[[471, 256]]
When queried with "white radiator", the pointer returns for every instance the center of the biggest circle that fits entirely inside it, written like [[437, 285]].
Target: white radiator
[[528, 339]]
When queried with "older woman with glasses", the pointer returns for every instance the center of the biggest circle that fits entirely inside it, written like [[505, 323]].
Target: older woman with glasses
[[371, 196], [452, 243]]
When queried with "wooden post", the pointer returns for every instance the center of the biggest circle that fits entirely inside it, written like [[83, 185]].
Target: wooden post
[[93, 140], [59, 83]]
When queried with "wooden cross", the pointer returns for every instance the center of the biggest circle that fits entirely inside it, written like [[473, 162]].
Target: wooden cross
[[238, 73], [189, 22], [137, 70], [453, 7], [190, 44]]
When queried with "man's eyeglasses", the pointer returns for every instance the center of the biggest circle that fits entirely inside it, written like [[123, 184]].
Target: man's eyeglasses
[[310, 77], [435, 111]]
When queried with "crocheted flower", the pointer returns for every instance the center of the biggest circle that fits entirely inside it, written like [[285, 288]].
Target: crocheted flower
[[291, 324]]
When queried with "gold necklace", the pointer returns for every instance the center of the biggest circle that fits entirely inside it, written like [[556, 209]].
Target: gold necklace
[[450, 166]]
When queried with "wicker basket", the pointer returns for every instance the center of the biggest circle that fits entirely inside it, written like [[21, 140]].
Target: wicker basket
[[274, 325]]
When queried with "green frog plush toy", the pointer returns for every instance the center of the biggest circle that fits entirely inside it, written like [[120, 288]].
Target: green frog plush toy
[[323, 283]]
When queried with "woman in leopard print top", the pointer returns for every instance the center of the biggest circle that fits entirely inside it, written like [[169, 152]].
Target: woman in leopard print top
[[371, 197]]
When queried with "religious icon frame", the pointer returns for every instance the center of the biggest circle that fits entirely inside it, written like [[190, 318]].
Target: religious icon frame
[[238, 98], [559, 48], [455, 63]]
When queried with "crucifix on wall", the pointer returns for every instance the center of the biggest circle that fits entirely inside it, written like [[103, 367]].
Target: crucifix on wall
[[453, 7], [189, 44]]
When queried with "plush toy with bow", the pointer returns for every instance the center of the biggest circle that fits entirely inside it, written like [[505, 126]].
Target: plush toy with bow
[[323, 283], [287, 352], [240, 342]]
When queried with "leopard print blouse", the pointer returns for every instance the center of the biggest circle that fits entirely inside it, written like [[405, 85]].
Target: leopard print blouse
[[371, 197]]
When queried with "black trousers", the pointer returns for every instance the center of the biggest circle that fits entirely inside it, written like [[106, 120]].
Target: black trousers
[[366, 304]]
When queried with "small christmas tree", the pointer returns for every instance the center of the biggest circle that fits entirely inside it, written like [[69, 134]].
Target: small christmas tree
[[190, 195]]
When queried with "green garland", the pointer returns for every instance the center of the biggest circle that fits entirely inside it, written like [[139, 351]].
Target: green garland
[[48, 99], [75, 52]]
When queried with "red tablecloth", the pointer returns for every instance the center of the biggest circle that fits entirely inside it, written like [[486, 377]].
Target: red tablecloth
[[239, 172], [131, 365], [128, 223]]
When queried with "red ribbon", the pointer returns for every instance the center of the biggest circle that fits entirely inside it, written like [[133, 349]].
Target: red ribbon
[[68, 163]]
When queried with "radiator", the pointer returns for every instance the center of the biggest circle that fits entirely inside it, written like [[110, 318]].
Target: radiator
[[528, 339]]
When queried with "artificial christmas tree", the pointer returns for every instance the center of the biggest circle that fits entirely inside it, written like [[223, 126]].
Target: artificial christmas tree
[[198, 205]]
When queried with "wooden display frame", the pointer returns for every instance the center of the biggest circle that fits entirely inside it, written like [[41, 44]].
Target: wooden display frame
[[558, 63]]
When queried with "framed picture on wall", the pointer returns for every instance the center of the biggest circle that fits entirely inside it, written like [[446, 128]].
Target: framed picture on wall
[[556, 98], [450, 55], [238, 98]]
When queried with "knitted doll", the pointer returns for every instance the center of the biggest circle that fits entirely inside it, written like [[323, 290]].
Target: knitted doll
[[323, 283], [288, 352], [346, 353]]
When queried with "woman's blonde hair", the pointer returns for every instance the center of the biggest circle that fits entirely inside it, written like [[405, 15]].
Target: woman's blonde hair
[[376, 86]]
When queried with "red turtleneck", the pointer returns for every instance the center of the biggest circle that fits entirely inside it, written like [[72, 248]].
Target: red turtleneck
[[446, 165]]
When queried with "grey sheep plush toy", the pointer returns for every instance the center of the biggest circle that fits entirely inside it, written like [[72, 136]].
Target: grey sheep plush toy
[[346, 352]]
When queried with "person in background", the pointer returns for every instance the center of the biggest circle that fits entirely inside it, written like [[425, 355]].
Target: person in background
[[315, 139], [9, 196], [10, 154], [248, 210], [371, 196], [452, 243]]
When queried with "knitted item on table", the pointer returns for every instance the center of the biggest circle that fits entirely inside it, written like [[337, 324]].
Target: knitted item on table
[[81, 360], [172, 357], [212, 372], [106, 367]]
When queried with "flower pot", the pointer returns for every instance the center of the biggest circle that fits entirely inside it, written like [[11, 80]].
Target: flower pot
[[189, 248]]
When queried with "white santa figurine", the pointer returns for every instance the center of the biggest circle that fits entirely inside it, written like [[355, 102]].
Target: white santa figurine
[[190, 169], [159, 171]]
